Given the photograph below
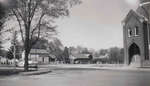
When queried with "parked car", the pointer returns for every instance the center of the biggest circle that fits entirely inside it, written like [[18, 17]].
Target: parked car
[[32, 64]]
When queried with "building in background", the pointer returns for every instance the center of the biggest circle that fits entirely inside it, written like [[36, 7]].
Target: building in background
[[39, 55], [77, 58]]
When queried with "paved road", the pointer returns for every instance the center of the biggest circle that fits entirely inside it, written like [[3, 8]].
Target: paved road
[[80, 78]]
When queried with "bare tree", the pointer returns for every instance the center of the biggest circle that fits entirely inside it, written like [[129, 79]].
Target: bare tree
[[35, 18]]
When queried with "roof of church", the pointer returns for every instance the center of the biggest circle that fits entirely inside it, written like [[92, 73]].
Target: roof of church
[[137, 15]]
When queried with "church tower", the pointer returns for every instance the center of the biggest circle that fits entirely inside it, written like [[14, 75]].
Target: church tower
[[135, 33]]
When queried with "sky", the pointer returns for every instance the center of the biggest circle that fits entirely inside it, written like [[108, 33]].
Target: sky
[[95, 24]]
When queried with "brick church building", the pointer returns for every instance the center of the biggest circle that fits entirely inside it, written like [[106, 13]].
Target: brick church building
[[135, 34]]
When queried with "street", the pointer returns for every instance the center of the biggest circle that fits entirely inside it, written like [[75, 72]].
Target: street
[[80, 77]]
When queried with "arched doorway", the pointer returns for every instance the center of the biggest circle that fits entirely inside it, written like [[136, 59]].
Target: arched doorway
[[134, 53]]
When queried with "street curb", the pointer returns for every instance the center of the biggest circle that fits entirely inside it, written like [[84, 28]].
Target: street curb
[[38, 72], [105, 68]]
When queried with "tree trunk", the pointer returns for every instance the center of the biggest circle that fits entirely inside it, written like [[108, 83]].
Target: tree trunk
[[26, 60], [27, 48]]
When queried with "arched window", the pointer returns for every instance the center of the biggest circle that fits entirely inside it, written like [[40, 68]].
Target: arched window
[[129, 32], [136, 29]]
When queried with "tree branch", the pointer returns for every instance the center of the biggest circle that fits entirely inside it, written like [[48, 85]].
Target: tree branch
[[19, 13], [19, 22], [33, 10], [39, 29]]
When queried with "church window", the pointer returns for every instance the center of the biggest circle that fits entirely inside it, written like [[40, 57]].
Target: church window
[[129, 32], [136, 31]]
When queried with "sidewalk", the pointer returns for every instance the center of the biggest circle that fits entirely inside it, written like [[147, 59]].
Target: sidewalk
[[36, 72], [7, 71]]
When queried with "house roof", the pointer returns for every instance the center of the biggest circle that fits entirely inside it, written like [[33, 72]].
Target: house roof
[[52, 56], [101, 57], [80, 56], [38, 51]]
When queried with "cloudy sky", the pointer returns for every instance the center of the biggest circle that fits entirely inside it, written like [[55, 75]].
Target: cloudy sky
[[95, 23]]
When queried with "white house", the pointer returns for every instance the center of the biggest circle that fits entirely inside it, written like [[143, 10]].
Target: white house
[[39, 55]]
